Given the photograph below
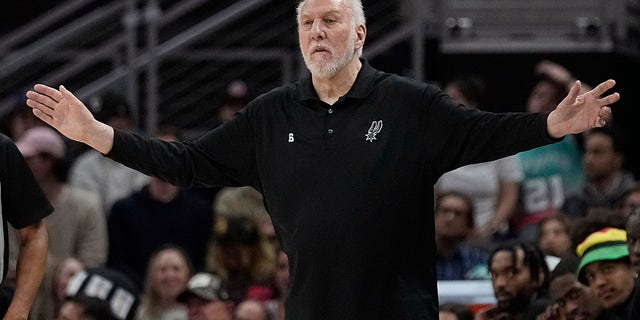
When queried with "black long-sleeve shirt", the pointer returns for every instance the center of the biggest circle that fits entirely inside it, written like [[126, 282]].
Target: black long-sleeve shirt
[[349, 187]]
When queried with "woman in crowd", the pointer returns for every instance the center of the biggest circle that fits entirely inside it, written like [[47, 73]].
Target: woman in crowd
[[167, 275]]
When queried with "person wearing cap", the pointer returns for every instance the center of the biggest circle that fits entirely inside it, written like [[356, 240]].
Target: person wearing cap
[[99, 294], [23, 205], [605, 267], [206, 298], [93, 172], [77, 227], [346, 159]]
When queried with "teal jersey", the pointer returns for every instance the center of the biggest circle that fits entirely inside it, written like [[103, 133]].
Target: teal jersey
[[551, 173]]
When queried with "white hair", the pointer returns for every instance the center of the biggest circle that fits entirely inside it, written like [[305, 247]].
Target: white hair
[[357, 15]]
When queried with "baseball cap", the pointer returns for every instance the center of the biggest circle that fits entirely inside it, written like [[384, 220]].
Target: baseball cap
[[41, 140], [105, 289], [206, 286], [603, 245]]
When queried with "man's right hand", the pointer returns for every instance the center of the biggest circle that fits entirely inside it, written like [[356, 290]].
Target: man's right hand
[[64, 112]]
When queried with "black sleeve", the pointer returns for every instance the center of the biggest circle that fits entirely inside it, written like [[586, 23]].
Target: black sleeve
[[458, 135], [23, 202], [225, 156]]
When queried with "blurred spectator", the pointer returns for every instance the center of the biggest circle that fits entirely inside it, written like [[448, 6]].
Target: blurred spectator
[[158, 214], [18, 120], [573, 301], [96, 173], [243, 258], [245, 202], [206, 298], [455, 311], [630, 201], [99, 294], [275, 306], [554, 235], [551, 172], [520, 279], [596, 219], [251, 310], [456, 257], [606, 269], [235, 98], [467, 90], [493, 186], [167, 275], [606, 180], [77, 227], [63, 273], [633, 239]]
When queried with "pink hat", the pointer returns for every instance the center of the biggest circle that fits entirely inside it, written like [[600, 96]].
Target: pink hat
[[41, 140]]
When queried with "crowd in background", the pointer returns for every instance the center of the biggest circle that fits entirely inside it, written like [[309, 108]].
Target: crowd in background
[[170, 253]]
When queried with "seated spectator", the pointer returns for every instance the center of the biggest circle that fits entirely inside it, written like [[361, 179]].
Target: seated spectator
[[243, 259], [633, 239], [206, 298], [275, 306], [606, 179], [554, 239], [245, 202], [468, 90], [456, 257], [554, 235], [99, 294], [630, 201], [167, 275], [158, 214], [92, 171], [18, 120], [251, 310], [235, 98], [551, 172], [596, 220], [493, 186], [573, 301], [606, 269], [455, 311], [520, 279]]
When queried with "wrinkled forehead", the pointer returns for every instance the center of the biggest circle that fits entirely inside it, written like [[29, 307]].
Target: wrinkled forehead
[[323, 6]]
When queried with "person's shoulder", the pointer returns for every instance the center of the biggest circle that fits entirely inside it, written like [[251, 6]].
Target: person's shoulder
[[4, 139], [284, 92], [7, 144]]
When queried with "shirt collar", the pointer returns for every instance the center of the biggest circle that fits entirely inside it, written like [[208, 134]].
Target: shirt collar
[[361, 88]]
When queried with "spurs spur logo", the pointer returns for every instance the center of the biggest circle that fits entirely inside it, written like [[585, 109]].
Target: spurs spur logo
[[376, 127]]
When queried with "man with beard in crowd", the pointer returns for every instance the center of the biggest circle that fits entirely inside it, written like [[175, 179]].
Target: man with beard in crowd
[[520, 278]]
